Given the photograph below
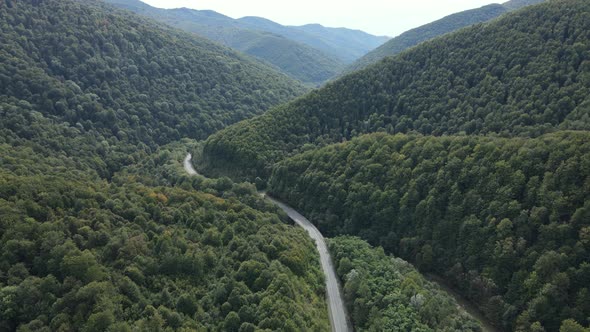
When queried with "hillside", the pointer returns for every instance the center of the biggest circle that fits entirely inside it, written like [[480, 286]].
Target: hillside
[[524, 74], [345, 44], [354, 43], [517, 4], [505, 220], [80, 254], [122, 77], [298, 61], [467, 156], [87, 244], [426, 32], [311, 54], [437, 28], [384, 293]]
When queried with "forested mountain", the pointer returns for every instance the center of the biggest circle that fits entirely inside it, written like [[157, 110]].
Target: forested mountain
[[84, 246], [385, 293], [311, 54], [298, 60], [517, 4], [351, 44], [345, 44], [506, 220], [524, 74], [494, 198], [101, 230], [128, 77], [426, 32], [437, 28]]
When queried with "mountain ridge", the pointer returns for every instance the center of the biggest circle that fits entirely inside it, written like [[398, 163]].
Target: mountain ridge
[[437, 28], [309, 57], [470, 81]]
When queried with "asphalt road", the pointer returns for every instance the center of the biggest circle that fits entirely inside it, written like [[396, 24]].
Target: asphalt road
[[336, 309], [188, 166]]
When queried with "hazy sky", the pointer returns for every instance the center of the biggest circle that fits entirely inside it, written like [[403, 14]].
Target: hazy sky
[[381, 17]]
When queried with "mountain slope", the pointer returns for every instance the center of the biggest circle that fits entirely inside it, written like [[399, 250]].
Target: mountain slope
[[505, 220], [310, 53], [517, 4], [127, 77], [86, 90], [416, 36], [298, 61], [295, 59], [437, 28], [524, 74], [345, 44], [311, 57], [79, 253], [412, 303], [355, 42]]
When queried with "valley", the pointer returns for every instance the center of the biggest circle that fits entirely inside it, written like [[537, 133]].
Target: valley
[[310, 53], [339, 320], [183, 170]]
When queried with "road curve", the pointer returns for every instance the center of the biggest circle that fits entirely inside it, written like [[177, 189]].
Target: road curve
[[188, 166], [336, 309]]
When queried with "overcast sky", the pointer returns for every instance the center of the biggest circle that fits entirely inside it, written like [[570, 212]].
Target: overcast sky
[[380, 17]]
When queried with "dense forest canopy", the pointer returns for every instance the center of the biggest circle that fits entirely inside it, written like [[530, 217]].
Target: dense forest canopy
[[426, 32], [437, 28], [494, 196], [84, 63], [81, 254], [87, 244], [476, 168], [525, 74], [506, 220], [384, 293], [294, 58]]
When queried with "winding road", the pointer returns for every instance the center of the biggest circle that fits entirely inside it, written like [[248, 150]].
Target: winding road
[[188, 166], [336, 309]]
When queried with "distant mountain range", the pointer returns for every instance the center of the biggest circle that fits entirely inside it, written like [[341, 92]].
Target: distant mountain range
[[310, 53], [444, 25]]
